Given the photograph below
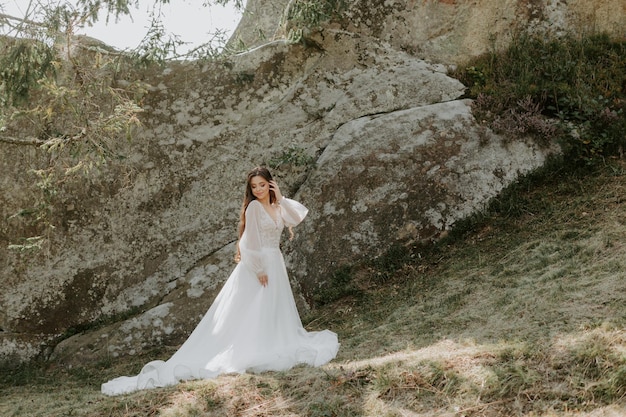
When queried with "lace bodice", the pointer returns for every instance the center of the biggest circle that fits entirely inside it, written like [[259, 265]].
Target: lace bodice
[[262, 231], [270, 230]]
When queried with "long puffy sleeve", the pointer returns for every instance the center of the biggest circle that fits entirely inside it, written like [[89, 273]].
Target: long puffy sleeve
[[292, 211], [250, 242]]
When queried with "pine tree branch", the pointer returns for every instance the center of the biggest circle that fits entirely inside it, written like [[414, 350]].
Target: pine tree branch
[[21, 20]]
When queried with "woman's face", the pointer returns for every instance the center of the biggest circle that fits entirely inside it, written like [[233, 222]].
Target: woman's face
[[260, 187]]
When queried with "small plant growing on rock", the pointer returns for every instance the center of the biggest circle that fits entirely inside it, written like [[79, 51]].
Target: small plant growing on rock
[[303, 16], [294, 155]]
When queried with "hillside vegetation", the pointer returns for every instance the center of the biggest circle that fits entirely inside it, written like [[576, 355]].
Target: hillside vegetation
[[520, 312]]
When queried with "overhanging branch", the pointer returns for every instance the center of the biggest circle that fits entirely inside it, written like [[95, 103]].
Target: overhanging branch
[[21, 20]]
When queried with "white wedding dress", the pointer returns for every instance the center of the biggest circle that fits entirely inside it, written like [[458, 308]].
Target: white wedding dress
[[249, 327]]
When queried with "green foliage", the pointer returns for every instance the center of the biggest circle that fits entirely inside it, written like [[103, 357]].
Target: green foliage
[[570, 90], [294, 155], [67, 105], [23, 64], [39, 214], [91, 8], [74, 100], [157, 46], [303, 16]]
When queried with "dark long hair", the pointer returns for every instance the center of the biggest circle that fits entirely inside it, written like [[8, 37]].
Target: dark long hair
[[248, 197]]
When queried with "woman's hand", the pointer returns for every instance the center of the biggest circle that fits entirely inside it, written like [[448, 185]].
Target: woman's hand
[[263, 279], [274, 187]]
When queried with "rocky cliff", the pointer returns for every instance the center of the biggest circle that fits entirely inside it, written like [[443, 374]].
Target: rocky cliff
[[366, 128], [448, 31]]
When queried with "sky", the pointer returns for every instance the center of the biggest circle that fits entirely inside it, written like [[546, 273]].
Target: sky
[[185, 18]]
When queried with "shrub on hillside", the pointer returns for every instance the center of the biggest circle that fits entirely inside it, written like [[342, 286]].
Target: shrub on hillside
[[570, 89]]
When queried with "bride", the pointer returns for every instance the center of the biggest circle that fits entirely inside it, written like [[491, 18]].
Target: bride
[[253, 324]]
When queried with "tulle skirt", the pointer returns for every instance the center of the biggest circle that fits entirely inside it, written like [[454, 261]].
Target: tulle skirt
[[249, 328]]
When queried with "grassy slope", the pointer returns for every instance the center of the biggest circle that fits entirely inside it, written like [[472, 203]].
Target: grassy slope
[[520, 313]]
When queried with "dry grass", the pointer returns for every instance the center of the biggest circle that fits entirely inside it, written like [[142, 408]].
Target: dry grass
[[522, 314]]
